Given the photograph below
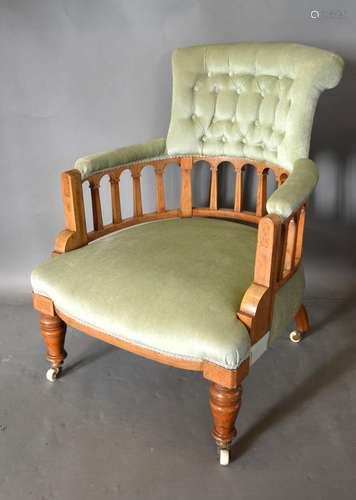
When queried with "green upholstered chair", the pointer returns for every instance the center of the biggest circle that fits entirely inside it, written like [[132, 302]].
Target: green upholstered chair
[[199, 288]]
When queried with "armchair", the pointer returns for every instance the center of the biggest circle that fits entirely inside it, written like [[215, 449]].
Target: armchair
[[199, 288]]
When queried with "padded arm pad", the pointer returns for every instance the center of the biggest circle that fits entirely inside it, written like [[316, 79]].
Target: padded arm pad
[[295, 190], [91, 164]]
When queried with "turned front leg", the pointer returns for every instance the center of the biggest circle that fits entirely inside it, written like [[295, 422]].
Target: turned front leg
[[53, 330], [225, 405]]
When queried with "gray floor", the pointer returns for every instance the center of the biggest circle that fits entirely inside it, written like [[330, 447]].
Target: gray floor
[[117, 426]]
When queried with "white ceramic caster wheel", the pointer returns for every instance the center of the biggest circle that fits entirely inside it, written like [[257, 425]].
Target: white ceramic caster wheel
[[224, 456], [52, 374], [295, 336]]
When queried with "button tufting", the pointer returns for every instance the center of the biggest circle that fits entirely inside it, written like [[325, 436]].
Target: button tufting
[[223, 139], [204, 138], [244, 140]]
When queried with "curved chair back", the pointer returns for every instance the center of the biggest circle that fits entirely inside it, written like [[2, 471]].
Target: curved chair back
[[248, 100]]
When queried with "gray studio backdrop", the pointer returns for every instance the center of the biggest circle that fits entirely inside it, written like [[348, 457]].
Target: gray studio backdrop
[[82, 76]]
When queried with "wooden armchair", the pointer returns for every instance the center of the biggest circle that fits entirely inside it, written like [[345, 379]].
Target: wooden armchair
[[200, 288]]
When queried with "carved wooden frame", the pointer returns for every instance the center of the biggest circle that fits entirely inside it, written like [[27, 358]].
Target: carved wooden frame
[[278, 255], [279, 243]]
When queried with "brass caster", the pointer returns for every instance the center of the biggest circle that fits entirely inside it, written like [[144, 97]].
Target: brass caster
[[53, 373], [295, 336], [224, 456]]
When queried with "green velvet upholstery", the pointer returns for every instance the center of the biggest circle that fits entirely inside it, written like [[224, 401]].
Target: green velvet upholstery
[[253, 100], [172, 286], [175, 286], [103, 161], [295, 190]]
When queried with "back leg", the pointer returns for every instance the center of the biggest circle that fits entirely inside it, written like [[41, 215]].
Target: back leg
[[302, 324]]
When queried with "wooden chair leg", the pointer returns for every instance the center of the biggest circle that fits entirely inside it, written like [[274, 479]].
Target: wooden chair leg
[[53, 330], [225, 405], [302, 320], [302, 324]]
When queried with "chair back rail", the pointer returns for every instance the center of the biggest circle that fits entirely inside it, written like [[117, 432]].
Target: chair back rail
[[291, 229], [278, 255], [186, 208]]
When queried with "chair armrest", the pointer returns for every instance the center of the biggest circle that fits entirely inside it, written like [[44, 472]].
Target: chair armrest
[[289, 197], [91, 164]]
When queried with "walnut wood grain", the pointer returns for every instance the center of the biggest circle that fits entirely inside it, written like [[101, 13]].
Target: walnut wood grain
[[53, 330], [302, 320], [75, 234], [43, 304], [239, 191], [290, 248], [160, 202], [136, 186], [257, 303], [115, 199], [186, 165], [225, 405], [214, 186], [300, 235], [261, 197], [96, 204]]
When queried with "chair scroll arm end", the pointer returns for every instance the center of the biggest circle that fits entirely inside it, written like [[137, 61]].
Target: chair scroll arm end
[[75, 234], [66, 241], [257, 303], [255, 310]]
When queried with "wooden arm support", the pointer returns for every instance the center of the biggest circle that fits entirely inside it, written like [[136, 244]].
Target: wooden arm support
[[257, 303], [75, 234], [278, 255]]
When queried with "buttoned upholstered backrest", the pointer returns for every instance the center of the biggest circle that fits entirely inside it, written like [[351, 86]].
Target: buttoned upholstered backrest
[[248, 100]]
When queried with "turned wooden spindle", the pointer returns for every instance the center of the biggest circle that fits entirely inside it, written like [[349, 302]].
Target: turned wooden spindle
[[94, 185], [160, 204], [261, 197], [225, 405], [186, 187], [239, 170], [214, 186], [137, 199], [115, 199], [53, 331]]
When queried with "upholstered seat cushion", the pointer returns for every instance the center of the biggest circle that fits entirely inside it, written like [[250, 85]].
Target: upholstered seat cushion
[[172, 286]]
